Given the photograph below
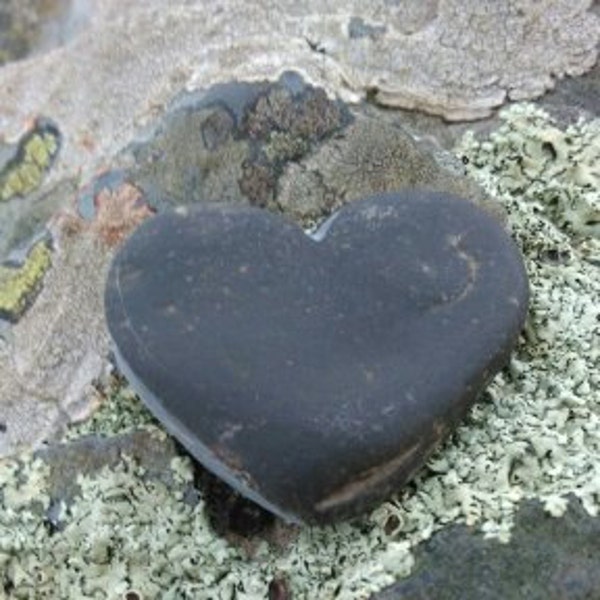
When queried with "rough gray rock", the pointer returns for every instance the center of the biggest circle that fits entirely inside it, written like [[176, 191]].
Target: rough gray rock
[[548, 558], [456, 59]]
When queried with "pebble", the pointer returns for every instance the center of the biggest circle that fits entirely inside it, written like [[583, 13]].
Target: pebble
[[316, 374]]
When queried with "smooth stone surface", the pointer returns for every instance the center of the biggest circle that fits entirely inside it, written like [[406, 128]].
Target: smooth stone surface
[[316, 376]]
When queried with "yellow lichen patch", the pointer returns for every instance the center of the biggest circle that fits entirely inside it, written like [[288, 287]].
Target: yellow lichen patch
[[19, 285], [25, 174]]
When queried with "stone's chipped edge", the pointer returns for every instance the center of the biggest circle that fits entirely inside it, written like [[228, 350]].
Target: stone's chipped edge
[[367, 480]]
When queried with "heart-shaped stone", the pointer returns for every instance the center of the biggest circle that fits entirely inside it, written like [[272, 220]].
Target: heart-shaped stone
[[316, 374]]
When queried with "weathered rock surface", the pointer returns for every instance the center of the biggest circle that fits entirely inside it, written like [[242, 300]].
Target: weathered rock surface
[[30, 27], [456, 59], [547, 558], [52, 354], [316, 376]]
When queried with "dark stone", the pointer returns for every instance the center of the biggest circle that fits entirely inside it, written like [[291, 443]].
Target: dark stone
[[547, 558], [316, 377], [229, 513]]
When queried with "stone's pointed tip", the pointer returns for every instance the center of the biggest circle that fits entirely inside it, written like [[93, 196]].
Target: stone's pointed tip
[[279, 359]]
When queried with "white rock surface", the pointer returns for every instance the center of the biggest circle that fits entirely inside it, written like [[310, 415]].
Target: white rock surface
[[456, 59]]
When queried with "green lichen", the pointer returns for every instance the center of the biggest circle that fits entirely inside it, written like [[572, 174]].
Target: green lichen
[[536, 434], [35, 156], [120, 412], [282, 147], [128, 533], [20, 285], [534, 159]]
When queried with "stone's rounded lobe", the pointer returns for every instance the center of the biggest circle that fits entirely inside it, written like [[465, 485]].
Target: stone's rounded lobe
[[316, 376]]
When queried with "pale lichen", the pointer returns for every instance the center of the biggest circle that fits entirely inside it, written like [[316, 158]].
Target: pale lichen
[[125, 532], [558, 170], [536, 434], [119, 412]]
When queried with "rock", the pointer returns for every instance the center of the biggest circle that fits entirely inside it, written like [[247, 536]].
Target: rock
[[283, 145], [315, 376], [547, 558], [29, 27], [236, 142], [68, 461]]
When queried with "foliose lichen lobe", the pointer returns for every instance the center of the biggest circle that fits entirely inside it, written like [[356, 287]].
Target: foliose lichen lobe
[[538, 160]]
